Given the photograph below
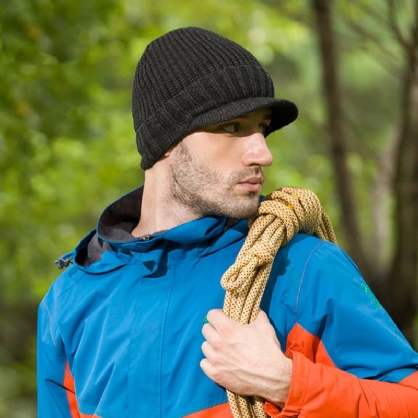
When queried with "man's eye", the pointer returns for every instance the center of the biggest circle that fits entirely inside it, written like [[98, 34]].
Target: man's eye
[[231, 127]]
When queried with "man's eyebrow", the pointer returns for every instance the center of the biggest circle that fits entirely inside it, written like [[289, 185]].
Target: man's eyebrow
[[267, 116]]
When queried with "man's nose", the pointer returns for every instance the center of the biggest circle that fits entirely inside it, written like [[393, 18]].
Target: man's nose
[[257, 152]]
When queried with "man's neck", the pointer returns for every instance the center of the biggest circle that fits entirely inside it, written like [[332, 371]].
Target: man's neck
[[159, 210]]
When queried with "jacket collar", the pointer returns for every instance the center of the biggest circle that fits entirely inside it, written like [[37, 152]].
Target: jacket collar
[[113, 235], [120, 218]]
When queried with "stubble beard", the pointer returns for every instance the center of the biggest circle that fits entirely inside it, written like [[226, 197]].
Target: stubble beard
[[205, 192]]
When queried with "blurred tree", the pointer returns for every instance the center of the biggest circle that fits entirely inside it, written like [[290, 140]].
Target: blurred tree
[[63, 137], [395, 279], [403, 287], [328, 46]]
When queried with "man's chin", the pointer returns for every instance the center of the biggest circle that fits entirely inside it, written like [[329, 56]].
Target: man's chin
[[247, 208]]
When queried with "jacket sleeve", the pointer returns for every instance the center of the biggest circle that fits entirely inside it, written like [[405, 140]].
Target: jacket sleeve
[[55, 385], [319, 391], [349, 358]]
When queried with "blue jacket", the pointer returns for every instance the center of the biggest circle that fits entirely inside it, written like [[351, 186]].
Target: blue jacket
[[120, 330]]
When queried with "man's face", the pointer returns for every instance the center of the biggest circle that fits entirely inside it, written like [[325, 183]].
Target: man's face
[[218, 170]]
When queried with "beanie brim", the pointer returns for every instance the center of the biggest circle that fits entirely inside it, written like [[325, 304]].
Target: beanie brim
[[284, 112]]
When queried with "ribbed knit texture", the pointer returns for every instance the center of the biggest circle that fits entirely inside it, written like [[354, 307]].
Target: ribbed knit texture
[[190, 78]]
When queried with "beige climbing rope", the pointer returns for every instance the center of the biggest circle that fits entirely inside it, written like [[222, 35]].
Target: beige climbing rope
[[279, 218]]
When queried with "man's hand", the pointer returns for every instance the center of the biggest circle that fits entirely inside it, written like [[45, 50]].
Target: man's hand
[[246, 359]]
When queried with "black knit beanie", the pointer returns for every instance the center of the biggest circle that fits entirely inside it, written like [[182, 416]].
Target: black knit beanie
[[190, 78]]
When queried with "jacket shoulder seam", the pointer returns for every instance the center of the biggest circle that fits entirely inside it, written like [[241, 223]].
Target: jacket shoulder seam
[[303, 275]]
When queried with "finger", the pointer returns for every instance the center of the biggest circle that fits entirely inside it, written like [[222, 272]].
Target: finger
[[206, 367], [207, 350], [222, 323], [212, 337], [211, 371], [208, 331], [214, 316]]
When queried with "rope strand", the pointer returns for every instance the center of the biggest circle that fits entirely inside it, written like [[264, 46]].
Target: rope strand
[[279, 218]]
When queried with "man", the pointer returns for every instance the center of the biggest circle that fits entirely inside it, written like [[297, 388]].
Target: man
[[133, 328]]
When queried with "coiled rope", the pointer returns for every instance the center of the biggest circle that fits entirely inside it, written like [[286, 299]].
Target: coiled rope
[[279, 218]]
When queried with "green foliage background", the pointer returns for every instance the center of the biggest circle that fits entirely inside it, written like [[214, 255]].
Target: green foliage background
[[67, 146]]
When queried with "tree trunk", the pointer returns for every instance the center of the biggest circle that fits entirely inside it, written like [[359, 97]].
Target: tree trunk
[[335, 124], [402, 303]]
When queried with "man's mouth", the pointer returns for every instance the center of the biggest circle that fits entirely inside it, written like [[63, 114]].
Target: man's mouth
[[253, 184]]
